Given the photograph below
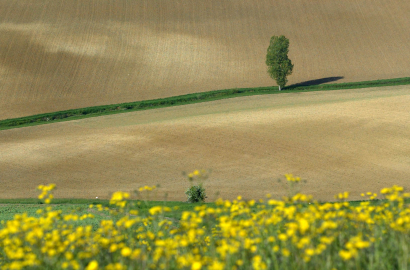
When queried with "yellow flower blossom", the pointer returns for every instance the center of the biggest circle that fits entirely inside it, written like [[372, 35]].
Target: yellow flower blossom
[[93, 265], [196, 265], [345, 254], [126, 251], [303, 225], [285, 252]]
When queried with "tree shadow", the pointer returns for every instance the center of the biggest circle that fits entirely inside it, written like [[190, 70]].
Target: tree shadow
[[314, 82]]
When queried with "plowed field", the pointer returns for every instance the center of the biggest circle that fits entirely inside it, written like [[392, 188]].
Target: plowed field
[[62, 54], [346, 140]]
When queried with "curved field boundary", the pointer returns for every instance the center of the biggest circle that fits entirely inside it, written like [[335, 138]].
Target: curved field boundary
[[74, 114]]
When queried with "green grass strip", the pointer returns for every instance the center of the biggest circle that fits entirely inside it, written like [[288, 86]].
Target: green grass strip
[[10, 207], [81, 113]]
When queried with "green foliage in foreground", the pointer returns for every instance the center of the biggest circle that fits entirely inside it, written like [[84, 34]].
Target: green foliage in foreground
[[183, 100], [293, 233]]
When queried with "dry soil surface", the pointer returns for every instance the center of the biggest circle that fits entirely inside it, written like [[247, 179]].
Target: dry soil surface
[[345, 140], [62, 54]]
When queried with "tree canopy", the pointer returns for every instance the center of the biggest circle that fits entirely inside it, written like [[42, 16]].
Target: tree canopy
[[277, 60]]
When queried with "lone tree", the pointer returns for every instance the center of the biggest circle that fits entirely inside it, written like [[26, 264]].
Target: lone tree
[[279, 65]]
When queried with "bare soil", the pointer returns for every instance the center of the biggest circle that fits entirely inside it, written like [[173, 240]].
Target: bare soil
[[345, 140], [64, 54]]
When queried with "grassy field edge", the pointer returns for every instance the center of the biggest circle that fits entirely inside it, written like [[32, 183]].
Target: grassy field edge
[[10, 207], [183, 204], [96, 111]]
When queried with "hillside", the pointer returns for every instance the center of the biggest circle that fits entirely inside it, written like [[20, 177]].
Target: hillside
[[63, 54], [342, 140]]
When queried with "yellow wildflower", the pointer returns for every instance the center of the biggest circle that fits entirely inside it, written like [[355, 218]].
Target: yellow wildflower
[[126, 251], [93, 265], [345, 254], [196, 265]]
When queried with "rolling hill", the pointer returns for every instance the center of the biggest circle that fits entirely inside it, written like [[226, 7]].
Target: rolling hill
[[62, 54], [342, 140]]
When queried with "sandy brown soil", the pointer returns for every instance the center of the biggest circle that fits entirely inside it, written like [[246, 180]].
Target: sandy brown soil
[[62, 54], [346, 140]]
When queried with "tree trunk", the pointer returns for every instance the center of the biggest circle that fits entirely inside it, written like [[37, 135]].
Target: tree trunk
[[279, 87]]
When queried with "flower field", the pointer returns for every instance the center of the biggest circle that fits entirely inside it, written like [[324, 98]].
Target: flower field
[[293, 233]]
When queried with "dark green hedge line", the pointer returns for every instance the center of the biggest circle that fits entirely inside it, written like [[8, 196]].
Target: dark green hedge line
[[185, 99]]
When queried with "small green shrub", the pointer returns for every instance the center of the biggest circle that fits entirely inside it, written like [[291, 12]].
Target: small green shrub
[[196, 194]]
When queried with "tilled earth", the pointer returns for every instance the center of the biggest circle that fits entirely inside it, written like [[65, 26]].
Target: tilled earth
[[345, 140], [64, 54]]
